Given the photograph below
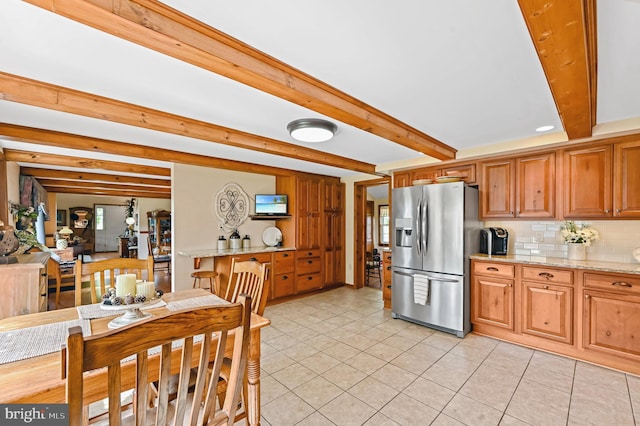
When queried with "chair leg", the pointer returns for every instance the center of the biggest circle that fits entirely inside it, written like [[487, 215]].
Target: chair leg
[[57, 291]]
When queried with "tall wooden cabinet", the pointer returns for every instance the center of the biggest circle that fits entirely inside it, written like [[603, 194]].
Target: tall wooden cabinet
[[159, 228], [333, 225]]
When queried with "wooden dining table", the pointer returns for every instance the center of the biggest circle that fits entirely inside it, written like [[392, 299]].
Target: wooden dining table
[[39, 379]]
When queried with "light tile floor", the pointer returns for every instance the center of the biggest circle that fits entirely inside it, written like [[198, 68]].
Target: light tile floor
[[338, 358]]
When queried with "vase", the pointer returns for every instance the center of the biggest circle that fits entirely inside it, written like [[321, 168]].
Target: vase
[[62, 244], [576, 251]]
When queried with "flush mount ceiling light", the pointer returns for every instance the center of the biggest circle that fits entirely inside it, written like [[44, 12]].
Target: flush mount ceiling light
[[311, 130], [544, 128]]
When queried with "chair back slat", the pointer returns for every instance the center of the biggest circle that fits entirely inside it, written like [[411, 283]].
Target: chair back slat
[[249, 277], [102, 274], [111, 348]]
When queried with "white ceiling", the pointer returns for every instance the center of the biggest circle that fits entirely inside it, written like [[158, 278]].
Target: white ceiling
[[462, 71]]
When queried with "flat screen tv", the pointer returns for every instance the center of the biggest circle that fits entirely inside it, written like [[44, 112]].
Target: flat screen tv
[[271, 204]]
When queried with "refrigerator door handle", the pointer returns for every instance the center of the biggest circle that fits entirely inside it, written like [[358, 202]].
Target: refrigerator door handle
[[424, 233], [444, 280], [418, 227], [402, 273]]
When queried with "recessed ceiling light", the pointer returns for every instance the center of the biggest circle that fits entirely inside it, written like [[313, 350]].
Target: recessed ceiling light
[[544, 128], [312, 130]]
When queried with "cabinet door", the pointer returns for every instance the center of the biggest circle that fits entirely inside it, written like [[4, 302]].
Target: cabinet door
[[547, 311], [497, 189], [536, 185], [611, 323], [401, 180], [466, 171], [626, 180], [587, 180], [333, 196], [428, 173], [309, 202], [492, 302]]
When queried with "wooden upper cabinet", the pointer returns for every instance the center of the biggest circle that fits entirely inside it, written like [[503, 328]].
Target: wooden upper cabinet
[[426, 173], [466, 171], [626, 180], [536, 186], [309, 202], [401, 179], [497, 191], [587, 182], [333, 196]]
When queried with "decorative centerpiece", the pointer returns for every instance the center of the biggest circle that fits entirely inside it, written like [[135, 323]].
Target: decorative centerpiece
[[578, 238], [115, 300]]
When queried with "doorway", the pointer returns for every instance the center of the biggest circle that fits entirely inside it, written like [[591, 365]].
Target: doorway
[[109, 225], [378, 188]]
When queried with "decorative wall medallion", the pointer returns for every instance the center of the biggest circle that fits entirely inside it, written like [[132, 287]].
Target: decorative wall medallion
[[231, 206]]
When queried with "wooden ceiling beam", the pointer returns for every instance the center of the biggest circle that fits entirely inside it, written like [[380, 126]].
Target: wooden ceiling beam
[[102, 185], [104, 146], [159, 27], [564, 35], [88, 177], [32, 92], [86, 163], [107, 192]]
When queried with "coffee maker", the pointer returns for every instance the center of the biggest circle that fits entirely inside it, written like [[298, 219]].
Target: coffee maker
[[494, 241]]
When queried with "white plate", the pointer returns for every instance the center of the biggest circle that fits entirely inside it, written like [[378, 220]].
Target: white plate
[[271, 236]]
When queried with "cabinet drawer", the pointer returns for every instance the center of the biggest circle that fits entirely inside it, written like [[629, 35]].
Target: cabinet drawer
[[624, 283], [284, 262], [546, 275], [308, 282], [308, 266], [304, 254], [283, 285], [386, 257], [494, 269]]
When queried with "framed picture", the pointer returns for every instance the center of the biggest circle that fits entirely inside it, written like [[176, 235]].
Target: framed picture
[[61, 217]]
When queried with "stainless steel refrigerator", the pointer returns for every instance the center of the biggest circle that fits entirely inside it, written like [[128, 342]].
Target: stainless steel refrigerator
[[435, 229]]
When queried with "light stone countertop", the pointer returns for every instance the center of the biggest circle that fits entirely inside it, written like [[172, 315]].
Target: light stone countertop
[[214, 252], [595, 265]]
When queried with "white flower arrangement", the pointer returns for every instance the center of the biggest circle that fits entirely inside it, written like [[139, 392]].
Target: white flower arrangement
[[572, 233]]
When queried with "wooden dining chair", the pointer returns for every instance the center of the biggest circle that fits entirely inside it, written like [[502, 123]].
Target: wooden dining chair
[[101, 275], [247, 277], [111, 350], [159, 259]]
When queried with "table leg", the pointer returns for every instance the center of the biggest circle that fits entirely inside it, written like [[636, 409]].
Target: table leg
[[253, 379]]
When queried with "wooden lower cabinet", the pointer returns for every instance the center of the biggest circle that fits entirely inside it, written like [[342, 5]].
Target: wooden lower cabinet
[[386, 278], [24, 285], [223, 266], [492, 294], [587, 315], [284, 274], [308, 270], [547, 311], [493, 302]]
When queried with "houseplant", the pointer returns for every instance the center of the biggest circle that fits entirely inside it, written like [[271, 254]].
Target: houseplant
[[578, 238]]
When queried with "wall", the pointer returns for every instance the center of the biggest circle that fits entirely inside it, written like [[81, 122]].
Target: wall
[[194, 190], [13, 187], [617, 239]]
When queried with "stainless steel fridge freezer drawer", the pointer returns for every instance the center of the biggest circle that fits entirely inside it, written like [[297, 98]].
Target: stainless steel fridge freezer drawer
[[445, 307]]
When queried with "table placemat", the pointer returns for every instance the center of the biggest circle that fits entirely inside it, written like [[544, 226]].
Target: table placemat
[[95, 311], [196, 302], [16, 345]]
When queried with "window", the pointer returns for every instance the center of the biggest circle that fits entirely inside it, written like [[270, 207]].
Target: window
[[99, 218], [383, 224]]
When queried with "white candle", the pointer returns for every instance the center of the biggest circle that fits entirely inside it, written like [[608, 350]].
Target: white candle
[[125, 284], [147, 289]]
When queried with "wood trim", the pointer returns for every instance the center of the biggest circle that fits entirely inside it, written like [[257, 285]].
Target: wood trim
[[86, 143], [4, 197], [84, 176], [87, 163], [108, 192], [563, 33], [32, 92], [52, 183], [158, 27]]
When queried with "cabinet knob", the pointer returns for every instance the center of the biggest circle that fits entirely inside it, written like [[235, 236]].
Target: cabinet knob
[[285, 277], [310, 254], [511, 213], [546, 287], [285, 255], [309, 262], [492, 268], [545, 275], [618, 210], [309, 278], [586, 296], [509, 285]]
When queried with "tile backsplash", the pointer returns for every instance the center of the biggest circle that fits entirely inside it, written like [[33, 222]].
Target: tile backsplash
[[542, 238]]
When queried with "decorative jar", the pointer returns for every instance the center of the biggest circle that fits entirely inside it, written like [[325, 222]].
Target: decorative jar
[[61, 244]]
